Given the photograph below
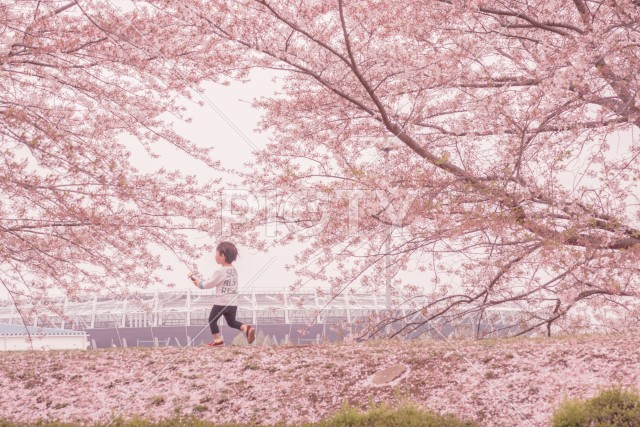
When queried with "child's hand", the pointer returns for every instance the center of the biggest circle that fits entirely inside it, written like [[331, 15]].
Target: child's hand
[[192, 277]]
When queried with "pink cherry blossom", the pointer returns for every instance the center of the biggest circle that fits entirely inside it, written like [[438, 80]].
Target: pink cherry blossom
[[495, 382]]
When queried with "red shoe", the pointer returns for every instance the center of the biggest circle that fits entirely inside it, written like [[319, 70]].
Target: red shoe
[[216, 344], [250, 333]]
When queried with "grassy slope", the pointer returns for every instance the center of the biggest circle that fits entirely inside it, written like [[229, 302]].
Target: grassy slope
[[508, 382]]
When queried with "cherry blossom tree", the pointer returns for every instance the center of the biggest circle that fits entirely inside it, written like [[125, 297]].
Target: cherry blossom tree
[[75, 215], [491, 145]]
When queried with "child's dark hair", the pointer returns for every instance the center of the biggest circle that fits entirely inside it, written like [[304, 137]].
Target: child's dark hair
[[228, 250]]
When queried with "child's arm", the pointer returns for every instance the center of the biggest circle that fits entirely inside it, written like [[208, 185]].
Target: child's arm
[[215, 280]]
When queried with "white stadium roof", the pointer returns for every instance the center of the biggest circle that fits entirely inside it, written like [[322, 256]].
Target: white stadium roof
[[191, 307]]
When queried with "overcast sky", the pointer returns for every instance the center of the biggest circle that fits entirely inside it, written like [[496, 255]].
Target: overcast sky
[[226, 122]]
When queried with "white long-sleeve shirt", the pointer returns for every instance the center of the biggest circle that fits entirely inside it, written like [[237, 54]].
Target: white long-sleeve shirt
[[225, 281]]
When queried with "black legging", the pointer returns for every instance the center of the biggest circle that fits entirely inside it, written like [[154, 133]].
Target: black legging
[[229, 313]]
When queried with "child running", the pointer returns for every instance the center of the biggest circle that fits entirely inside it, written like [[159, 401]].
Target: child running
[[225, 281]]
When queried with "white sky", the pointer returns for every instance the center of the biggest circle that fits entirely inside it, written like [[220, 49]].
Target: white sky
[[226, 122]]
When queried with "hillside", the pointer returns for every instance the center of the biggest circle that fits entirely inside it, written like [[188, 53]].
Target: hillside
[[498, 382]]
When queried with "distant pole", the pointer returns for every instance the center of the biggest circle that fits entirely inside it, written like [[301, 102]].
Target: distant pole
[[386, 272], [388, 242]]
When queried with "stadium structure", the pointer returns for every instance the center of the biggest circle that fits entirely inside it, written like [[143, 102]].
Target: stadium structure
[[180, 318]]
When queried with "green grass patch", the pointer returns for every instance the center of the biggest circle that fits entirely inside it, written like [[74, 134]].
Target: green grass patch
[[613, 407], [381, 415]]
